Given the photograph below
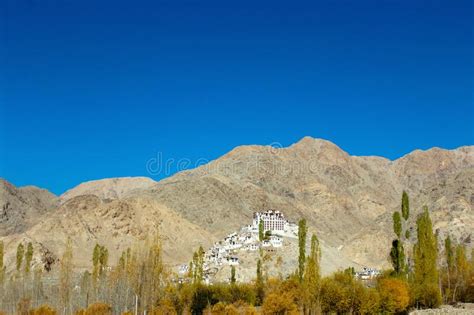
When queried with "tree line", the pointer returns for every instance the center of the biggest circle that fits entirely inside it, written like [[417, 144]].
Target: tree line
[[422, 276]]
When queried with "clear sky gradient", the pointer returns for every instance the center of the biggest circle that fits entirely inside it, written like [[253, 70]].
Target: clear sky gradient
[[94, 89]]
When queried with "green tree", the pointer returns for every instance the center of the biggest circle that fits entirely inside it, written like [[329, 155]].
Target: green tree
[[201, 263], [86, 286], [103, 259], [198, 265], [194, 267], [259, 284], [20, 251], [28, 257], [397, 224], [302, 231], [259, 271], [405, 206], [267, 235], [312, 277], [65, 277], [122, 261], [397, 253], [232, 274], [261, 231], [449, 255], [461, 270], [154, 270], [96, 263], [100, 258], [397, 257], [426, 293]]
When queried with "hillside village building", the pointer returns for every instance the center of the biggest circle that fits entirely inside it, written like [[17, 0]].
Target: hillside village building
[[226, 251], [367, 273]]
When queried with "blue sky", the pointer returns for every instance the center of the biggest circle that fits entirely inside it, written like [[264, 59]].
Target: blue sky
[[94, 89]]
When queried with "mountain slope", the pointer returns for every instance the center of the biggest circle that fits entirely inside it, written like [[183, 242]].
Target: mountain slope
[[110, 188], [347, 200], [21, 208], [117, 224]]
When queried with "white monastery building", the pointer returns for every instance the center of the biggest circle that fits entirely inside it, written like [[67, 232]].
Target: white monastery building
[[273, 221]]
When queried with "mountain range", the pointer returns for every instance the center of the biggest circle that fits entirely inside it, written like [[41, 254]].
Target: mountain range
[[347, 201]]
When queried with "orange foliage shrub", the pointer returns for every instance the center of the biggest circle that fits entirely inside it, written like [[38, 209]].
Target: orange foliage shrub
[[279, 304], [96, 309], [165, 307], [43, 310], [244, 308], [250, 310], [394, 295], [367, 301], [221, 309]]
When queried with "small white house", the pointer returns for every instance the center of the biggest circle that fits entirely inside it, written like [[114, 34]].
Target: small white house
[[367, 273], [183, 269], [253, 247], [232, 261], [276, 241]]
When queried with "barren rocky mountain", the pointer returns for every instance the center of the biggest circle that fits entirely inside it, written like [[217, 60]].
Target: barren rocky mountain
[[110, 188], [117, 224], [347, 200], [21, 208]]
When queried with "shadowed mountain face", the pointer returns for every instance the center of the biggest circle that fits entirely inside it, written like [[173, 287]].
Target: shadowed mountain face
[[347, 200], [21, 208]]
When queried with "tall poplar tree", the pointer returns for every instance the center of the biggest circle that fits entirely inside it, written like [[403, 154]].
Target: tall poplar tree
[[312, 277], [405, 206], [198, 265], [232, 274], [302, 231], [461, 273], [449, 255], [20, 251], [259, 283], [406, 211], [259, 272], [154, 272], [95, 264], [261, 232], [397, 224], [427, 292], [28, 257], [65, 277], [397, 256], [397, 252], [103, 260], [449, 252]]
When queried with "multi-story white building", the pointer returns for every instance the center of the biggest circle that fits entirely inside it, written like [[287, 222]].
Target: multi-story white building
[[273, 221]]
